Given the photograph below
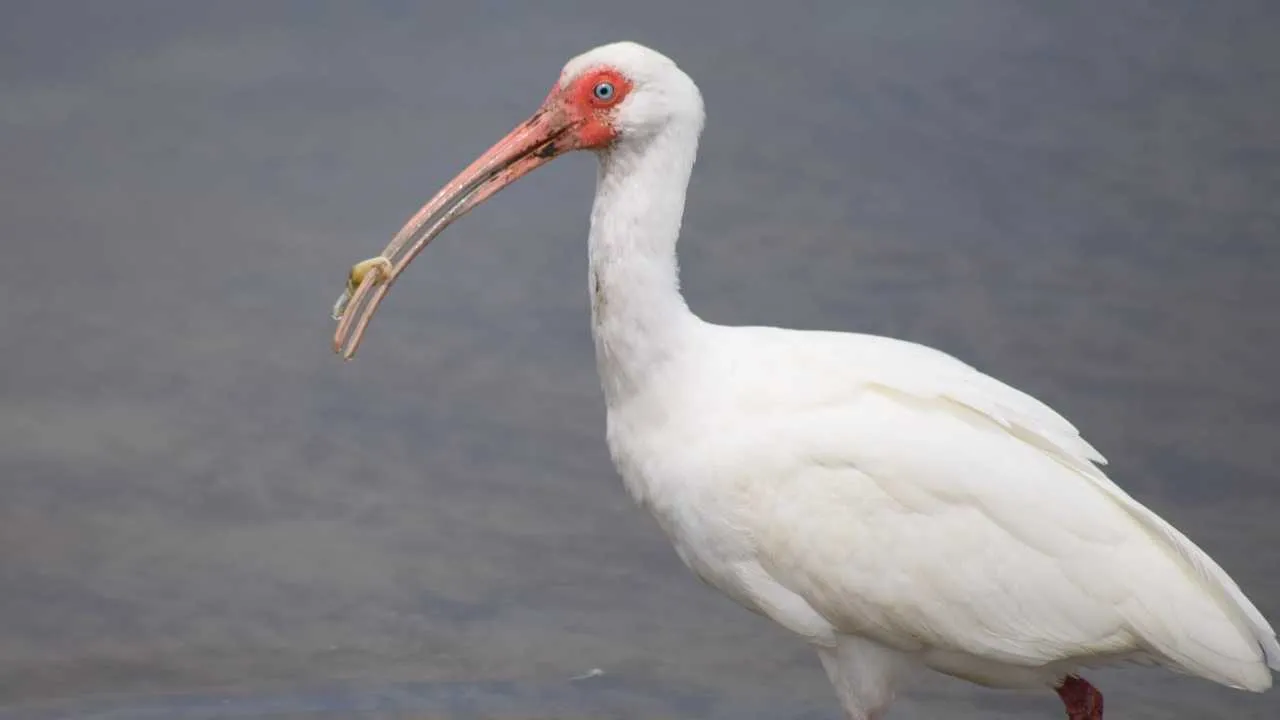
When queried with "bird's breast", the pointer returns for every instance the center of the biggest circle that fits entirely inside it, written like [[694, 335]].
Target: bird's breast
[[695, 500]]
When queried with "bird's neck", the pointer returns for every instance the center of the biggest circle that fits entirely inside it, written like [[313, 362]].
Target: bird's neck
[[639, 319]]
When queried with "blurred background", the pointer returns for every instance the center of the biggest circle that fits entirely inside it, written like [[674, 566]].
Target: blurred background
[[204, 513]]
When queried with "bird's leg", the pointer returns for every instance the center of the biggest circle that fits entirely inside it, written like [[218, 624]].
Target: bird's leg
[[380, 265], [1083, 700]]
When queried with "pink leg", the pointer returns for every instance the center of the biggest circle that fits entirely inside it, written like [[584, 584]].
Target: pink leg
[[1083, 700]]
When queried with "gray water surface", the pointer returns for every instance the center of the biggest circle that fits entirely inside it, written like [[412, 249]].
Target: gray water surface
[[203, 513]]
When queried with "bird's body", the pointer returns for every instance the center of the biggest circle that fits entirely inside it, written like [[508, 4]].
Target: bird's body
[[887, 492], [886, 502]]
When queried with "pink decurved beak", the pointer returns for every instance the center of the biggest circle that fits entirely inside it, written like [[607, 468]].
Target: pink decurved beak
[[546, 134]]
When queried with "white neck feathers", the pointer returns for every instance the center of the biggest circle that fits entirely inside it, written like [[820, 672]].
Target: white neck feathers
[[639, 319]]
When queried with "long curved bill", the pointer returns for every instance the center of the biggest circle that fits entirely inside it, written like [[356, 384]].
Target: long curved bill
[[533, 143]]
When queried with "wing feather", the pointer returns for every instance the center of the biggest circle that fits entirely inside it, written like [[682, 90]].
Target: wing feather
[[985, 525], [1037, 424]]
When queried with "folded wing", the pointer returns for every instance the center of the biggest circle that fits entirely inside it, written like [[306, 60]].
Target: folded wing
[[934, 507]]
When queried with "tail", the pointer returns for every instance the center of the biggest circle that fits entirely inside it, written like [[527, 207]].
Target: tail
[[1243, 659], [1241, 653]]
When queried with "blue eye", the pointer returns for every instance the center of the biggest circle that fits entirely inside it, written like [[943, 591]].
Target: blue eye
[[604, 91]]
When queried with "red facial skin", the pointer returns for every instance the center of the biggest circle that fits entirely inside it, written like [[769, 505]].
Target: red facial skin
[[592, 115]]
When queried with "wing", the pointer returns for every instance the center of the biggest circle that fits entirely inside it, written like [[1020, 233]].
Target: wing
[[935, 507]]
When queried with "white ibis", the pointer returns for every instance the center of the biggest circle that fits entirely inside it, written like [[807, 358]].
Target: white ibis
[[888, 503]]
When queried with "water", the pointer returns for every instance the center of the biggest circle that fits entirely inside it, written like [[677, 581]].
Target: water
[[205, 514]]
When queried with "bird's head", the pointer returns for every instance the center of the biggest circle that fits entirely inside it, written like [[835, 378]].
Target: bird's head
[[623, 93], [614, 97]]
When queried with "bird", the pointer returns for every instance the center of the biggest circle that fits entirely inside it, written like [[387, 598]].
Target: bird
[[890, 504]]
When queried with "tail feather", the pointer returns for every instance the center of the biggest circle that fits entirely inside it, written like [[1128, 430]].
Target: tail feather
[[1226, 595]]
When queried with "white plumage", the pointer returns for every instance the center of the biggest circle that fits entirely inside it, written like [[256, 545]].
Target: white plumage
[[857, 485], [886, 502]]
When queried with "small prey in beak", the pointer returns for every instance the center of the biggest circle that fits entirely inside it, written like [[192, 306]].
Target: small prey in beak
[[381, 269]]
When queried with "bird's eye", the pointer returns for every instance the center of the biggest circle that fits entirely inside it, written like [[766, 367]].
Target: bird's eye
[[604, 91]]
